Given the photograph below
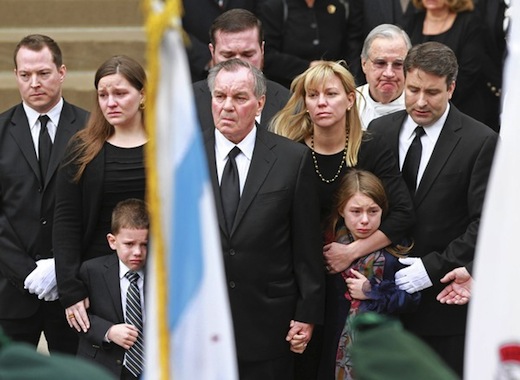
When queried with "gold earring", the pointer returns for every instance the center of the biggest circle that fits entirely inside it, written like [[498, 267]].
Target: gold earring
[[142, 105]]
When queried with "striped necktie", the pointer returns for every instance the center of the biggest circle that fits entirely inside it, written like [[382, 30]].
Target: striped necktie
[[135, 354]]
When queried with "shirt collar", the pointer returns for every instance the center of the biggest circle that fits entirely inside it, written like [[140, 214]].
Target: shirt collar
[[432, 131], [123, 269], [54, 114], [223, 146]]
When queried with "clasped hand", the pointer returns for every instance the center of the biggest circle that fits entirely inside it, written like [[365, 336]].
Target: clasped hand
[[299, 335], [338, 257], [42, 280]]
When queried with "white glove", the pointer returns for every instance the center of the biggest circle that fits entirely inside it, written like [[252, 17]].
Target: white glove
[[413, 278], [42, 280], [51, 295]]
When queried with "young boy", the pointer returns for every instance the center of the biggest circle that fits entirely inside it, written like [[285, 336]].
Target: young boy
[[115, 338]]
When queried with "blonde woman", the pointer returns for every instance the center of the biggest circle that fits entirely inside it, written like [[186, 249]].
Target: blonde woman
[[322, 114]]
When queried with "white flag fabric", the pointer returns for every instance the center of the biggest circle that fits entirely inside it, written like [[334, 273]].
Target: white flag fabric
[[493, 335], [189, 334]]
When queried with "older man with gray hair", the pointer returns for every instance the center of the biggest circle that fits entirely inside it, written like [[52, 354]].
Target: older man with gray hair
[[269, 226], [382, 58]]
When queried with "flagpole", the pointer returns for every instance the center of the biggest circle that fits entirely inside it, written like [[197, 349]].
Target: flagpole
[[158, 19]]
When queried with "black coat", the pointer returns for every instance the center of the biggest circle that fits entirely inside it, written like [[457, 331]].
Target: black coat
[[27, 204]]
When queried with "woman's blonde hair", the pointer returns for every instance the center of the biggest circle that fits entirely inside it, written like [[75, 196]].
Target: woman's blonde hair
[[456, 6], [294, 122]]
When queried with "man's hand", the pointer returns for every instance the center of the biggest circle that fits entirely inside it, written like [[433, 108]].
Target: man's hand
[[42, 280], [77, 315], [338, 257], [299, 335], [123, 335], [413, 278], [458, 291]]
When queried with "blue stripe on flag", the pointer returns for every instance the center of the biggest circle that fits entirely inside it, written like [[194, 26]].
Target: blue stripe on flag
[[187, 260]]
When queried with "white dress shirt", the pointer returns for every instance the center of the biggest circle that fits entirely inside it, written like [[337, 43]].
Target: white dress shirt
[[369, 109], [52, 125], [125, 283], [222, 148], [428, 140]]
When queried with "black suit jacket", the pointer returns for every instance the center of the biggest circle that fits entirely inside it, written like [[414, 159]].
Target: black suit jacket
[[77, 213], [448, 204], [272, 256], [27, 204], [275, 99], [101, 277]]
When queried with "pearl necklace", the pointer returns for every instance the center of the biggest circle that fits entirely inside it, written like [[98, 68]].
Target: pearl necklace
[[315, 160]]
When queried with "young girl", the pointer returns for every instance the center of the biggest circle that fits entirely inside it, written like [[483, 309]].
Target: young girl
[[361, 203]]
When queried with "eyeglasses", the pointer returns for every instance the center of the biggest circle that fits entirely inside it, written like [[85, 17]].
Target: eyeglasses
[[381, 64]]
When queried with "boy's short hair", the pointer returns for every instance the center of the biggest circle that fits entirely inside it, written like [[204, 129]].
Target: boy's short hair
[[130, 213]]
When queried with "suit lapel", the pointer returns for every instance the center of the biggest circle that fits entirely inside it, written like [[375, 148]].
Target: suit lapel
[[448, 140], [113, 284], [21, 133], [209, 145], [64, 132], [398, 119], [261, 163]]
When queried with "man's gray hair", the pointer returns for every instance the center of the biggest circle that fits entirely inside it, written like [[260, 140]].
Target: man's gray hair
[[385, 31], [233, 65]]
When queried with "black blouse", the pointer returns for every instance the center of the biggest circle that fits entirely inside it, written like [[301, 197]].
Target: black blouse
[[124, 178]]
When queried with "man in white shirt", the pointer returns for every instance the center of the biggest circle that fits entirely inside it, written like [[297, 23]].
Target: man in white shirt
[[382, 58], [269, 222], [27, 194], [448, 187]]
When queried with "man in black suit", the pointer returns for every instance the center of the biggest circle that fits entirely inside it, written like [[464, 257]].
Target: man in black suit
[[455, 155], [271, 238], [238, 33], [27, 190], [196, 21]]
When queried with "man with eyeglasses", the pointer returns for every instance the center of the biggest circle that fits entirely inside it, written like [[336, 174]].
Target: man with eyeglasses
[[382, 57]]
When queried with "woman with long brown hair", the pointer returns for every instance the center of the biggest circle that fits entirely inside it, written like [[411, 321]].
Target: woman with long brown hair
[[103, 166]]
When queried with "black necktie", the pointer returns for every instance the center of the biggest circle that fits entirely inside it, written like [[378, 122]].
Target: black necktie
[[230, 188], [412, 161], [134, 316], [44, 146]]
